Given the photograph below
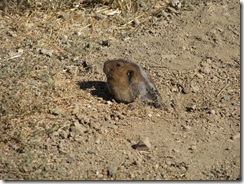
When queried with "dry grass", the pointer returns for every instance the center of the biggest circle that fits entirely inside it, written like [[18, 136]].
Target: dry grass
[[43, 24], [32, 81]]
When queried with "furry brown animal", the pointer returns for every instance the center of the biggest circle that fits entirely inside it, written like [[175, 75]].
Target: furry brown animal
[[128, 81]]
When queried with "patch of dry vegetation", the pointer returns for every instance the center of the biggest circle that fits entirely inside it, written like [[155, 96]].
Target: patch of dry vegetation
[[36, 45], [38, 42]]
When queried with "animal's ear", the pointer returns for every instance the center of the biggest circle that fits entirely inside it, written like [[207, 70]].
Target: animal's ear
[[130, 74], [118, 65]]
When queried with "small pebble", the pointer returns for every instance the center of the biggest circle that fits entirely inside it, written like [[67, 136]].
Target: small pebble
[[46, 52], [186, 90], [99, 16], [92, 151], [158, 177], [172, 10], [183, 169], [78, 33], [12, 33], [63, 134], [70, 159], [191, 108], [186, 127], [105, 42], [168, 163], [97, 141], [205, 70], [143, 145], [237, 136], [193, 147], [195, 89], [56, 111], [112, 169], [77, 128], [225, 98], [212, 112], [109, 125], [109, 102], [64, 15], [136, 22], [12, 54], [200, 76]]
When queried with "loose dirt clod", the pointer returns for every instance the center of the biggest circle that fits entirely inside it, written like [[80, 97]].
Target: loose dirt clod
[[143, 145]]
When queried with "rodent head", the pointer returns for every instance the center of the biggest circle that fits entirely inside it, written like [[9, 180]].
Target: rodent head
[[121, 75]]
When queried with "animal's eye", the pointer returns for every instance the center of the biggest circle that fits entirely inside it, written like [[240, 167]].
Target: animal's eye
[[118, 65], [130, 73]]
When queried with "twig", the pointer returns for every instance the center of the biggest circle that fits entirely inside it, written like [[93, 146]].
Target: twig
[[13, 57], [222, 90]]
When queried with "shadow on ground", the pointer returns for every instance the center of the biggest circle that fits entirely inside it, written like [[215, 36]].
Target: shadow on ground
[[97, 88]]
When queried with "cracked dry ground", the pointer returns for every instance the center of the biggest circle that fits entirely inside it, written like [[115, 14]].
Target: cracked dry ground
[[66, 126]]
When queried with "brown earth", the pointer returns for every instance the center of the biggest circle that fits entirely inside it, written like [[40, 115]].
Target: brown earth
[[58, 120]]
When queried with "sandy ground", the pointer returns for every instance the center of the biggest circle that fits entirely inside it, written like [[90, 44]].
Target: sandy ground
[[58, 120]]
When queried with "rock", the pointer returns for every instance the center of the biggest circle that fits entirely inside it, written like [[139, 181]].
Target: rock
[[63, 134], [70, 159], [12, 33], [206, 69], [46, 52], [193, 147], [195, 89], [191, 108], [79, 139], [12, 54], [183, 169], [186, 127], [225, 98], [77, 128], [56, 111], [118, 115], [212, 112], [200, 76], [176, 4], [156, 166], [64, 40], [109, 102], [174, 89], [175, 150], [105, 42], [82, 119], [186, 90], [136, 22], [92, 151], [172, 10], [158, 177], [78, 33], [97, 141], [237, 136], [168, 163], [112, 169], [72, 69], [171, 56], [64, 15], [99, 16], [109, 125], [20, 51], [143, 145]]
